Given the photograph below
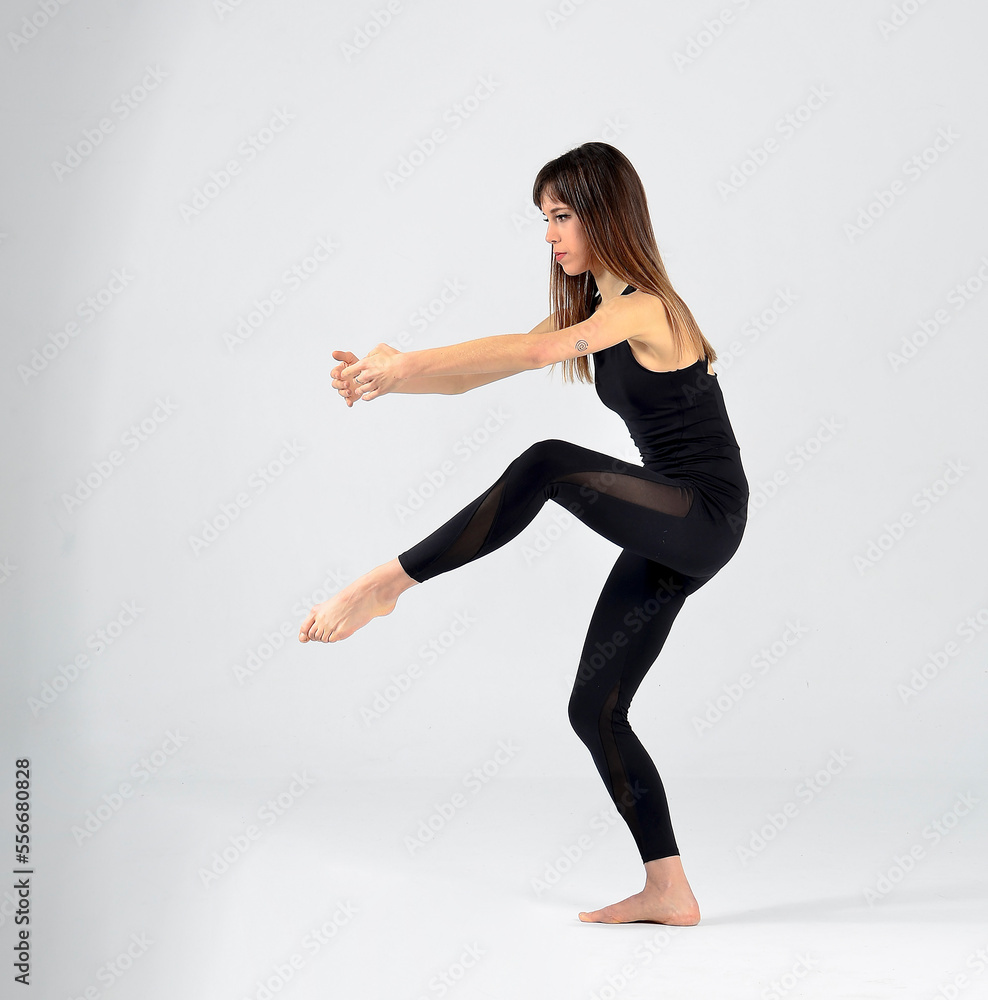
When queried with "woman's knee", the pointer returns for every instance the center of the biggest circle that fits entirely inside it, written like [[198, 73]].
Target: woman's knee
[[546, 449], [584, 712], [540, 460]]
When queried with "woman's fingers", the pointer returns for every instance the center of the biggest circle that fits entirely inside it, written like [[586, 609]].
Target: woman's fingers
[[346, 358], [343, 385], [346, 387]]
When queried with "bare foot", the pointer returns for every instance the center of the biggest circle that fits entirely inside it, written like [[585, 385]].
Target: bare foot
[[375, 593], [666, 899]]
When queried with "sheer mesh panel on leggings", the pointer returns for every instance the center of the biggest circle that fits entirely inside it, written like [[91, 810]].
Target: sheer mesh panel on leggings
[[662, 497], [623, 794], [468, 543]]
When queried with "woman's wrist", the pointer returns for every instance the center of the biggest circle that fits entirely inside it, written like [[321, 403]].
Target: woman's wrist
[[413, 364]]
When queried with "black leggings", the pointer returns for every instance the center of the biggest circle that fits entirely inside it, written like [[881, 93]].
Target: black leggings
[[672, 546]]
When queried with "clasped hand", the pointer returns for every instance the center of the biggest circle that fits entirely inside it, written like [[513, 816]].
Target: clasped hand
[[379, 372]]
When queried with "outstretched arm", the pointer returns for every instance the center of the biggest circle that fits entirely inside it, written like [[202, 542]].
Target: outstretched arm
[[444, 385], [502, 353], [384, 369], [613, 322]]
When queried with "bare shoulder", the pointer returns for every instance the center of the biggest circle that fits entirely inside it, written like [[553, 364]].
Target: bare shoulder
[[654, 345], [655, 328]]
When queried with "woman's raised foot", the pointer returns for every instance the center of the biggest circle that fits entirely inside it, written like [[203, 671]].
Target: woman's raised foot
[[375, 593]]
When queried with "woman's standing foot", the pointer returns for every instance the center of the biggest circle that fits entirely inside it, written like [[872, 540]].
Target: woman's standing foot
[[666, 899]]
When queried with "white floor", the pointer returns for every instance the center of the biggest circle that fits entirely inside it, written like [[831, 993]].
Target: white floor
[[327, 899]]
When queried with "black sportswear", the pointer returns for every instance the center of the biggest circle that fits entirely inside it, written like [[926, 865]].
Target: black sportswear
[[678, 518]]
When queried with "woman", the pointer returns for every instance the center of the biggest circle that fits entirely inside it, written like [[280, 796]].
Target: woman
[[678, 518]]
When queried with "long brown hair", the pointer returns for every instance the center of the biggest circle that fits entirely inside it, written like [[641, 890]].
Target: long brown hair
[[608, 197]]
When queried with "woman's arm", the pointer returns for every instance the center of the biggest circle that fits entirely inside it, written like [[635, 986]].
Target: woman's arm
[[445, 385], [450, 385], [475, 362], [503, 352], [456, 384], [613, 322], [511, 353]]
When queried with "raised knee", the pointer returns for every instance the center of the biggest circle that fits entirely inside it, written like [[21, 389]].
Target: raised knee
[[543, 449], [538, 459]]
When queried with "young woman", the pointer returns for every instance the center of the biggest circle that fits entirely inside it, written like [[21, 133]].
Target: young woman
[[678, 518]]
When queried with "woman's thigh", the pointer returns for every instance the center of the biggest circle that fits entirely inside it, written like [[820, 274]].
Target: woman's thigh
[[653, 515]]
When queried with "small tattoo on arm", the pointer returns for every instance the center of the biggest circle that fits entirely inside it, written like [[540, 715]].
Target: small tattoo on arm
[[581, 345]]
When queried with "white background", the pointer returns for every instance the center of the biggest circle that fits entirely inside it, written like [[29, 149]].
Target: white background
[[838, 266]]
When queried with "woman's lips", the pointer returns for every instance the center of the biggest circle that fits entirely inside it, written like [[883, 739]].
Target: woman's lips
[[559, 256]]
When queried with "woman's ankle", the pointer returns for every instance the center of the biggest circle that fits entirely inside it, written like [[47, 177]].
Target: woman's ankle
[[394, 578], [665, 872]]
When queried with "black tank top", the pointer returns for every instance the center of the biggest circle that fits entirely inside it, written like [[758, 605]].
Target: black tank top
[[678, 421]]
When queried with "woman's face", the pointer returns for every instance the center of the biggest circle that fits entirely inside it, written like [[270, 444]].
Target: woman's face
[[566, 234]]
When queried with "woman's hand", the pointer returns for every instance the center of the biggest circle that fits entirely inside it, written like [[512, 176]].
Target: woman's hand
[[376, 374], [347, 387]]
